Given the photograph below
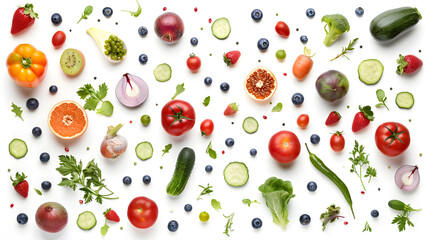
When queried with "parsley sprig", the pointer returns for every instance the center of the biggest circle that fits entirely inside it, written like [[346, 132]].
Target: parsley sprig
[[359, 160], [92, 98], [402, 219], [346, 49]]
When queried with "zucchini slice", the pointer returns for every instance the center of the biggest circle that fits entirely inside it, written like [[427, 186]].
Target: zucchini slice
[[221, 28], [370, 71], [144, 150], [250, 125], [18, 148], [236, 174], [404, 100], [86, 220], [162, 72]]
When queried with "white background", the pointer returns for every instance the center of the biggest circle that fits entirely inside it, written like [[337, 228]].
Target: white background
[[246, 32]]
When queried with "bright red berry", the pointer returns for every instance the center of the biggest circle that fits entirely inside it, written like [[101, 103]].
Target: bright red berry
[[20, 184], [231, 58], [111, 215], [333, 118], [408, 64], [23, 18], [231, 109], [362, 118]]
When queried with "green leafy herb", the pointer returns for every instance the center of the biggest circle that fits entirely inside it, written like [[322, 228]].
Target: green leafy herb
[[179, 89], [277, 108], [105, 228], [248, 201], [330, 216], [38, 191], [206, 101], [346, 49], [216, 204], [212, 153], [206, 190], [92, 98], [17, 110], [360, 158], [367, 227], [402, 219], [136, 13], [167, 149], [86, 13], [89, 178], [228, 226], [381, 96]]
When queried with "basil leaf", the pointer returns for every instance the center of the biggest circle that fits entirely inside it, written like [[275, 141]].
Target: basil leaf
[[216, 204], [277, 108]]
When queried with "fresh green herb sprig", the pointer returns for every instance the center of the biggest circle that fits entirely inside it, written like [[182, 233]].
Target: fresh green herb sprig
[[206, 101], [179, 89], [38, 191], [106, 227], [228, 226], [367, 227], [216, 204], [206, 190], [86, 13], [248, 201], [92, 98], [209, 150], [402, 219], [330, 216], [346, 49], [167, 149], [381, 96], [360, 158], [136, 13], [17, 110], [277, 108]]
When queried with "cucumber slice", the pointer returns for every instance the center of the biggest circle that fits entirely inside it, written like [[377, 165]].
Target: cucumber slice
[[162, 72], [404, 100], [250, 125], [370, 71], [236, 174], [18, 148], [86, 220], [144, 150], [221, 28]]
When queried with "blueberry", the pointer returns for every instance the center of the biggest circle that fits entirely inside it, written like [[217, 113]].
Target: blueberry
[[53, 89], [188, 207], [297, 99], [208, 81], [173, 225], [143, 58], [310, 12], [314, 139], [229, 142], [22, 218], [374, 213], [46, 185], [143, 31], [56, 18], [256, 15], [32, 103], [224, 87], [194, 41], [107, 12], [263, 44], [146, 179], [126, 180], [359, 11], [44, 157], [303, 39], [311, 186], [36, 131], [253, 152], [256, 223], [209, 168], [305, 219]]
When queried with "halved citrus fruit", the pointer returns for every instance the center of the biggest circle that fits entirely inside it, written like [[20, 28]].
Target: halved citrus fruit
[[67, 120], [260, 84]]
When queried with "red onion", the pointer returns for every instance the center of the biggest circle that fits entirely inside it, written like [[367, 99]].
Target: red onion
[[407, 177], [51, 217], [131, 90], [113, 145], [169, 27]]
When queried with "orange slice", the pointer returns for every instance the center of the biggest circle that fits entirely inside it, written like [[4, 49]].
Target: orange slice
[[67, 120], [260, 84]]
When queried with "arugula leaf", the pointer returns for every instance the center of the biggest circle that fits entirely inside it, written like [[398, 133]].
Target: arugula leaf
[[367, 227], [206, 101], [136, 13], [206, 190], [381, 98], [17, 110], [346, 49], [216, 204], [360, 158], [93, 98], [228, 226], [248, 201], [179, 89], [38, 191], [277, 108], [330, 216], [209, 150], [167, 148], [86, 13], [106, 109]]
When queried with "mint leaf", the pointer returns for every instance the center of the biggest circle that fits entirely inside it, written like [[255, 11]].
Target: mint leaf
[[277, 108], [206, 101], [209, 150], [17, 110], [106, 109], [216, 204]]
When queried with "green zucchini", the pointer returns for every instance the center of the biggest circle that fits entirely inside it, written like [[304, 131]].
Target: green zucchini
[[184, 165], [390, 24]]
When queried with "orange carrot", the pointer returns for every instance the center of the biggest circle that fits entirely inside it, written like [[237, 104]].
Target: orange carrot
[[303, 64]]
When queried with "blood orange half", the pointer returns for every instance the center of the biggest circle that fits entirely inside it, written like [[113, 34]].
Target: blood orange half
[[67, 120], [260, 84]]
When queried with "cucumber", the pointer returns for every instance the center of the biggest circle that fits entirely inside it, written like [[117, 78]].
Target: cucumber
[[86, 220], [236, 174], [18, 148], [250, 125], [184, 165], [144, 150], [404, 100], [162, 72], [370, 71], [390, 24], [221, 28]]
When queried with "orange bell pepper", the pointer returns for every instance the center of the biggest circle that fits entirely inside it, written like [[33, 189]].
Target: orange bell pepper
[[27, 66]]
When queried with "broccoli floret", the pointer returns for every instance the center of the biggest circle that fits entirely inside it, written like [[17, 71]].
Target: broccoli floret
[[337, 25]]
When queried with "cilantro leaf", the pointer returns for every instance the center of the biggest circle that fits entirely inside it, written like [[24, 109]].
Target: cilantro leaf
[[277, 108], [179, 89], [216, 204], [91, 103], [17, 110], [167, 148], [360, 160], [102, 91], [93, 98], [206, 101]]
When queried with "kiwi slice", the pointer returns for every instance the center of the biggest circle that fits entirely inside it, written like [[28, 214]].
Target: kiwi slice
[[72, 62]]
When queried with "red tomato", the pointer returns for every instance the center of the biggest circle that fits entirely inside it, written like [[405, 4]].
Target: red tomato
[[177, 117], [337, 142], [282, 29], [193, 62], [207, 127], [303, 120], [284, 146], [58, 39], [392, 138], [142, 212]]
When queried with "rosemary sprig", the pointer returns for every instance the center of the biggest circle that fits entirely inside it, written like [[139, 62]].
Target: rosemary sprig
[[345, 50]]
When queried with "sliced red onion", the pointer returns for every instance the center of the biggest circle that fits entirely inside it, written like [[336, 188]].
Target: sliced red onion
[[131, 90], [407, 177]]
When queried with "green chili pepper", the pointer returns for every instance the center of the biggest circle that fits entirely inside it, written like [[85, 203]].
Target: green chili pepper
[[317, 163]]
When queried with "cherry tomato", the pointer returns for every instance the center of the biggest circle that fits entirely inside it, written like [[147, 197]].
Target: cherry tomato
[[303, 120], [177, 117], [207, 127], [58, 39], [193, 62], [142, 212], [284, 146], [392, 138], [337, 142], [282, 29]]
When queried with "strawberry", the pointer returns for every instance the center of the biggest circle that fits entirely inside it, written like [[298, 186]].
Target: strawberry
[[408, 64], [23, 18], [231, 58], [333, 118], [20, 184], [231, 109], [111, 215], [362, 118]]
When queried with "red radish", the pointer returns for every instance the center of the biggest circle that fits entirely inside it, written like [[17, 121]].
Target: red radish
[[231, 57], [169, 27], [231, 109], [333, 118], [20, 184], [23, 18], [408, 64], [51, 217], [362, 118], [303, 64], [113, 145], [282, 29]]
